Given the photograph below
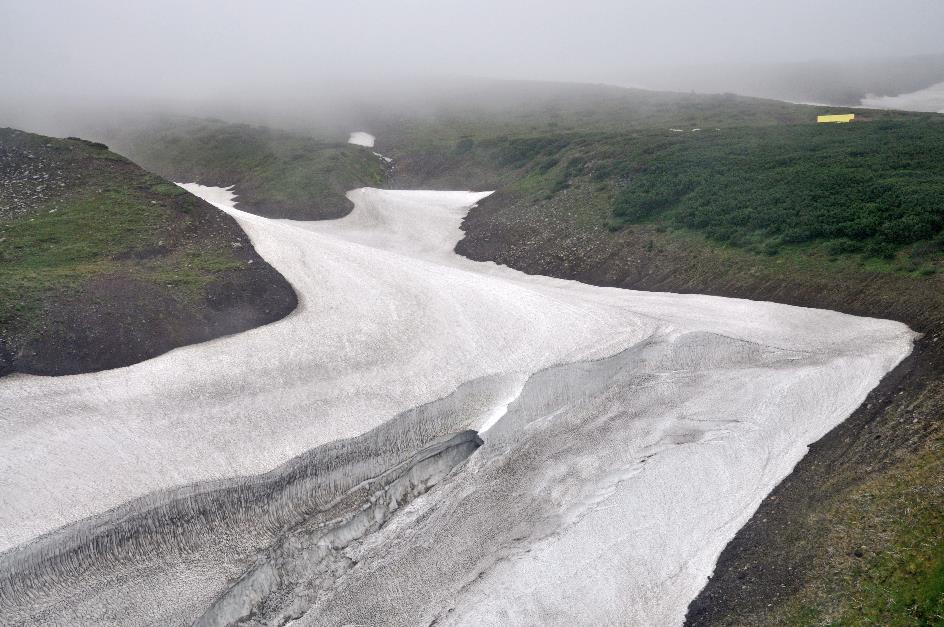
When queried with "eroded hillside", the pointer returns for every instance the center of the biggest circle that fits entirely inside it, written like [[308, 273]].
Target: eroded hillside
[[104, 264]]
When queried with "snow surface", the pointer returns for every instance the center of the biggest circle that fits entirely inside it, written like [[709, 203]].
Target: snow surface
[[929, 99], [647, 427], [360, 138]]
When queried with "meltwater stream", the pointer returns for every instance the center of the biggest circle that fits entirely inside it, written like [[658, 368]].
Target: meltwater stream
[[326, 469]]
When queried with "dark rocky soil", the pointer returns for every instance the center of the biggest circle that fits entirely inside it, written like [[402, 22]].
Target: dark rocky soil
[[788, 548], [117, 321], [81, 293]]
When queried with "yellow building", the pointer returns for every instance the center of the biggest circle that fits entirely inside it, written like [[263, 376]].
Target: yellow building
[[836, 119]]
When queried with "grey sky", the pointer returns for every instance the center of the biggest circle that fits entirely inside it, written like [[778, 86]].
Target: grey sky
[[181, 49]]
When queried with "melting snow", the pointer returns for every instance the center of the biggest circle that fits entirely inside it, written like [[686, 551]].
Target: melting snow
[[645, 430], [360, 138]]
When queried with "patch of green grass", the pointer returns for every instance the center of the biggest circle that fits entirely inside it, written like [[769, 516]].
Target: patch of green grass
[[888, 562], [275, 173], [112, 219], [54, 251], [903, 582], [110, 222], [168, 189], [192, 271]]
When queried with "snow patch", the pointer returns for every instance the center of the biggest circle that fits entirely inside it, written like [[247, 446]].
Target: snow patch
[[360, 138], [221, 197], [930, 99]]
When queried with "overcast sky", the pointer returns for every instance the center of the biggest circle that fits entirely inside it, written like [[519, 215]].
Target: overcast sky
[[187, 48]]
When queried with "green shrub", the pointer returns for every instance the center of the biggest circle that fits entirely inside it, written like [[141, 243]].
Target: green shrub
[[518, 152], [872, 189]]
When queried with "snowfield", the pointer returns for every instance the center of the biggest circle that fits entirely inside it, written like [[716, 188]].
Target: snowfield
[[930, 99], [360, 138], [630, 435]]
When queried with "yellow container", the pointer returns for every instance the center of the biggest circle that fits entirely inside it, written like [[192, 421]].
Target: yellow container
[[836, 119]]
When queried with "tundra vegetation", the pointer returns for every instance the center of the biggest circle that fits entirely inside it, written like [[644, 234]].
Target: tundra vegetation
[[104, 264], [277, 174], [870, 192]]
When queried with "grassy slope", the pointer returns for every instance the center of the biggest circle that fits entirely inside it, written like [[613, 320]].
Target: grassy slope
[[276, 174], [866, 191], [104, 264], [494, 109], [469, 139], [870, 188], [886, 560]]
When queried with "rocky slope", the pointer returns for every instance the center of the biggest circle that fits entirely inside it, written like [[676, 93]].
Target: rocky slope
[[105, 264]]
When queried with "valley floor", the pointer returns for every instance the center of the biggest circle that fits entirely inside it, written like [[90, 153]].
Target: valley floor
[[631, 434]]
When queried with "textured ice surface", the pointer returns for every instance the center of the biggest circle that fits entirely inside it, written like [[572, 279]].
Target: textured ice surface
[[360, 138], [631, 435]]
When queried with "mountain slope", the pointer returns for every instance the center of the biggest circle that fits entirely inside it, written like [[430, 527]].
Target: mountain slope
[[854, 535], [104, 264], [278, 175]]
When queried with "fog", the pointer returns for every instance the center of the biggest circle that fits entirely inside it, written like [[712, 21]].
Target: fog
[[60, 58]]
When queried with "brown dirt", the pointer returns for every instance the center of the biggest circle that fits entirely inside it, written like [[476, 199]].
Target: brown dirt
[[119, 320]]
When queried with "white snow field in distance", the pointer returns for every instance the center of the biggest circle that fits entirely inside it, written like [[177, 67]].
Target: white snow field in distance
[[632, 435], [360, 138], [929, 99]]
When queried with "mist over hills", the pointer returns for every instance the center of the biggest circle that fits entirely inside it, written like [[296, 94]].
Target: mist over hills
[[831, 81], [329, 108], [327, 65]]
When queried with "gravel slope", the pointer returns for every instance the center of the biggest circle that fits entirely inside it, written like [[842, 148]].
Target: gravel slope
[[103, 264]]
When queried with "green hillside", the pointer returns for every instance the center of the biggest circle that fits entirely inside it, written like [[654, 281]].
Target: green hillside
[[276, 174], [104, 264]]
